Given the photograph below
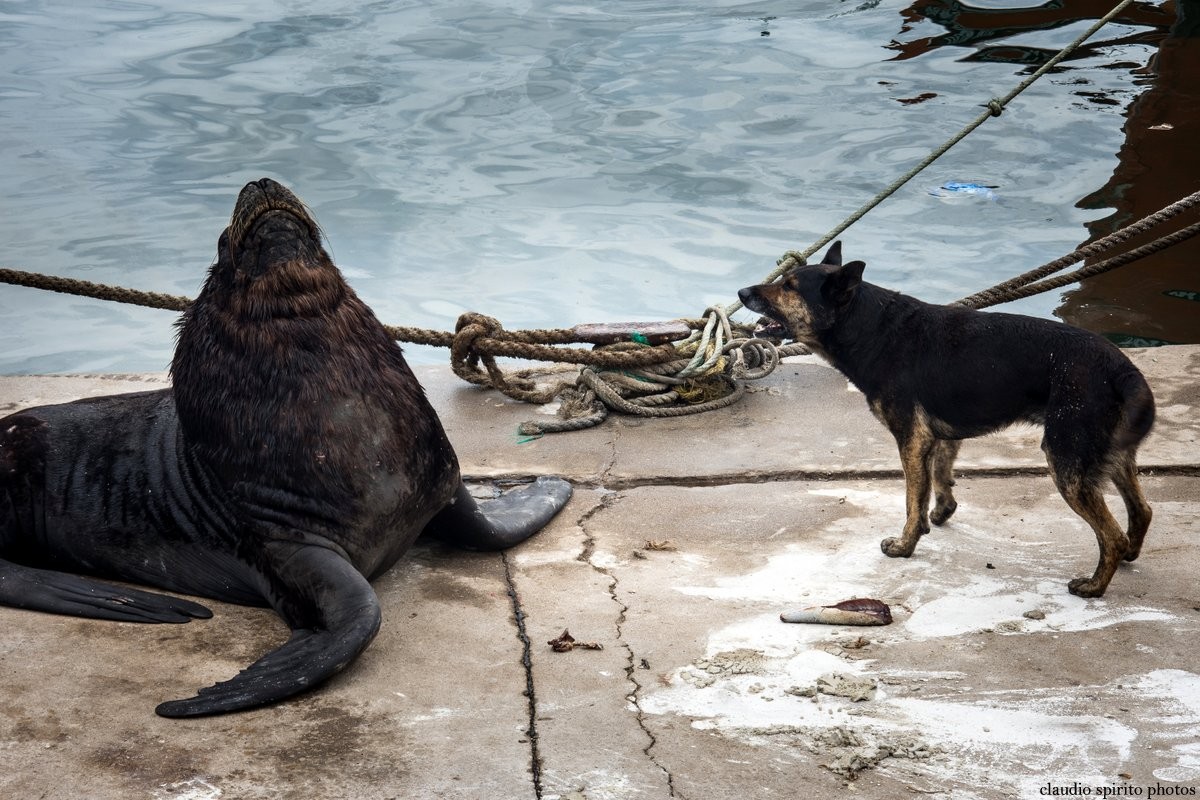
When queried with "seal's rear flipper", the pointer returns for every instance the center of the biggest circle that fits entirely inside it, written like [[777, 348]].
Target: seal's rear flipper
[[496, 524], [60, 593], [333, 613]]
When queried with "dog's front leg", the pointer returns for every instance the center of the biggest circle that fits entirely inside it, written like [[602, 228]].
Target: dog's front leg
[[916, 443]]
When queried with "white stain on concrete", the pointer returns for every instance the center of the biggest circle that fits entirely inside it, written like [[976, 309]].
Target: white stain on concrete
[[1006, 740], [191, 789]]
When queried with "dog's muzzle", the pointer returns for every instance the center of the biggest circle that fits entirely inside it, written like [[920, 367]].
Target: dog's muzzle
[[750, 299]]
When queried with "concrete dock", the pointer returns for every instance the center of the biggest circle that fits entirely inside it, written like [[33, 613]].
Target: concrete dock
[[684, 540]]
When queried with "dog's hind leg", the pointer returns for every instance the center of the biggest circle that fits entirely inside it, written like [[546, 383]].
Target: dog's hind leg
[[916, 456], [942, 469], [1082, 493], [1087, 443], [1124, 475], [1088, 503]]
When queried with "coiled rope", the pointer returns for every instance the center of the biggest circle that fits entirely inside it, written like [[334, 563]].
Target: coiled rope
[[708, 368]]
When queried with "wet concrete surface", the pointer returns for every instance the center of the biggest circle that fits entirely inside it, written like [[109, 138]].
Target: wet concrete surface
[[685, 539]]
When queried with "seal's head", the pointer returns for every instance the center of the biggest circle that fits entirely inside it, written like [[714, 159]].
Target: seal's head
[[270, 226], [278, 360], [270, 261]]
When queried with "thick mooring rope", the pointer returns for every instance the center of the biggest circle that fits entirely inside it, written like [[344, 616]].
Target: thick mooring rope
[[98, 291], [1026, 284]]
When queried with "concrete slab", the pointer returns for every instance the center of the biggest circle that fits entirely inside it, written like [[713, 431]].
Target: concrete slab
[[685, 539], [971, 697], [434, 708]]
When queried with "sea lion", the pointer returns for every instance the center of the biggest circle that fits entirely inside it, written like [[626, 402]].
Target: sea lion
[[294, 458]]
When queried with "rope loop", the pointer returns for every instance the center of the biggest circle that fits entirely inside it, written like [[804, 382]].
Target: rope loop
[[709, 343], [754, 359]]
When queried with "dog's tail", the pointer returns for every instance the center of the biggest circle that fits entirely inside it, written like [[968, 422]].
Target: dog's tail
[[1137, 408]]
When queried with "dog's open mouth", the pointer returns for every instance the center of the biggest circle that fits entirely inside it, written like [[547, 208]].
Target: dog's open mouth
[[771, 330]]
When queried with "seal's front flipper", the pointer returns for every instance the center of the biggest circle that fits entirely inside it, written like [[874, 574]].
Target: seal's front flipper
[[333, 613], [62, 593], [496, 524]]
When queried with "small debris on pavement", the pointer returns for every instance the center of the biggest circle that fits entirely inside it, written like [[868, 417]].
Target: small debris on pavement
[[565, 643], [857, 611], [857, 688]]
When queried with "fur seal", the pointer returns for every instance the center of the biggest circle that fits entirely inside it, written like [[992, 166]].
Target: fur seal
[[294, 458]]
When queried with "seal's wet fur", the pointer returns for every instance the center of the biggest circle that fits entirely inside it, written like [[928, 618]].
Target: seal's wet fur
[[935, 375], [294, 458], [322, 393]]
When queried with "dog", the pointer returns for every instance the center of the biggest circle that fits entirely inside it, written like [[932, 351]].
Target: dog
[[935, 375]]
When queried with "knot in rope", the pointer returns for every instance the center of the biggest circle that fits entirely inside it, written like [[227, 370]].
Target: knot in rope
[[464, 357], [792, 258], [470, 330]]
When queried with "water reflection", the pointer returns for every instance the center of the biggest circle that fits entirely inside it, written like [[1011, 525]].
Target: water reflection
[[1152, 301], [977, 25], [1155, 299]]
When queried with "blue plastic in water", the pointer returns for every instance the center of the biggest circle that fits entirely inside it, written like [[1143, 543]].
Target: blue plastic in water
[[964, 188]]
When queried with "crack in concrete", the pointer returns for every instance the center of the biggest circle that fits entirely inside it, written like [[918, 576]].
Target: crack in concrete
[[634, 696], [604, 482], [589, 541], [518, 615], [612, 459], [828, 476], [531, 732]]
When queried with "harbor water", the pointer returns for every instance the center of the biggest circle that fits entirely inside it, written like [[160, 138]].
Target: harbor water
[[552, 163]]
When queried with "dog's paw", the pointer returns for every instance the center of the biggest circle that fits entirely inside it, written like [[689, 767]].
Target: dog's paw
[[941, 513], [1086, 587], [896, 548]]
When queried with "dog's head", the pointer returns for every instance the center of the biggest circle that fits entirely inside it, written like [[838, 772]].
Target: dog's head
[[808, 299]]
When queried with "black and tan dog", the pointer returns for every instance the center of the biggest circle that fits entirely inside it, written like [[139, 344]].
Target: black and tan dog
[[935, 375]]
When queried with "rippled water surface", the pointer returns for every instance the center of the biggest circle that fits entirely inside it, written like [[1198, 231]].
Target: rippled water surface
[[545, 163]]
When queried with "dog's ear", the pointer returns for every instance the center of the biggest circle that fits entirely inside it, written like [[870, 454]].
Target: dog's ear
[[833, 256], [841, 283]]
